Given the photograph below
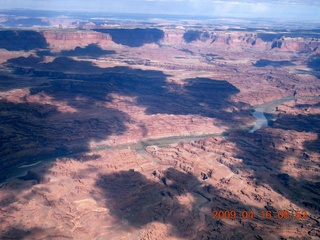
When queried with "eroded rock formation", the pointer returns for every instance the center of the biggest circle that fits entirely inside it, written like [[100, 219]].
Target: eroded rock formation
[[106, 138]]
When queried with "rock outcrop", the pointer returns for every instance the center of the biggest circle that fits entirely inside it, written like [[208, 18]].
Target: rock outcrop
[[103, 138]]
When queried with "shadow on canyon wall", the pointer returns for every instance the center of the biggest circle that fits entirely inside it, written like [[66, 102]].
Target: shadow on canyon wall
[[22, 40], [27, 129], [302, 123], [314, 64], [267, 150], [207, 97], [266, 62], [136, 201], [19, 233], [33, 130], [194, 35], [270, 37], [26, 40], [132, 197], [92, 50], [134, 37]]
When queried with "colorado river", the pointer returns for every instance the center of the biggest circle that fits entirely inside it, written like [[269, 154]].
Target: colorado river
[[262, 121], [267, 107]]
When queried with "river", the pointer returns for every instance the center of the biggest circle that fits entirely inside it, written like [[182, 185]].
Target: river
[[267, 107], [258, 113], [262, 121]]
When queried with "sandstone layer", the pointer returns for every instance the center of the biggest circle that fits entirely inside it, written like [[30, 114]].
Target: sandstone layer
[[103, 138]]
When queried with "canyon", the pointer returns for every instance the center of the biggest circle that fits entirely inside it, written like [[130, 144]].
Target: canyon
[[141, 133]]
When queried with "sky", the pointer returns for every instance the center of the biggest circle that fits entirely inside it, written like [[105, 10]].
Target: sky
[[293, 9]]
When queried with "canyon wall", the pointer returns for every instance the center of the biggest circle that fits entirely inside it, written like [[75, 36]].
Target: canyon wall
[[68, 39], [72, 39]]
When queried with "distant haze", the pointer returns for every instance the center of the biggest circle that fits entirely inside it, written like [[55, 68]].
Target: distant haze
[[293, 9]]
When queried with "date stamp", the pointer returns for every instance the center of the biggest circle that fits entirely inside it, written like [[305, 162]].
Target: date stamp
[[280, 214]]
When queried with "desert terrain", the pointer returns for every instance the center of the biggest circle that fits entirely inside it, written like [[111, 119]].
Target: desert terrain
[[143, 131]]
